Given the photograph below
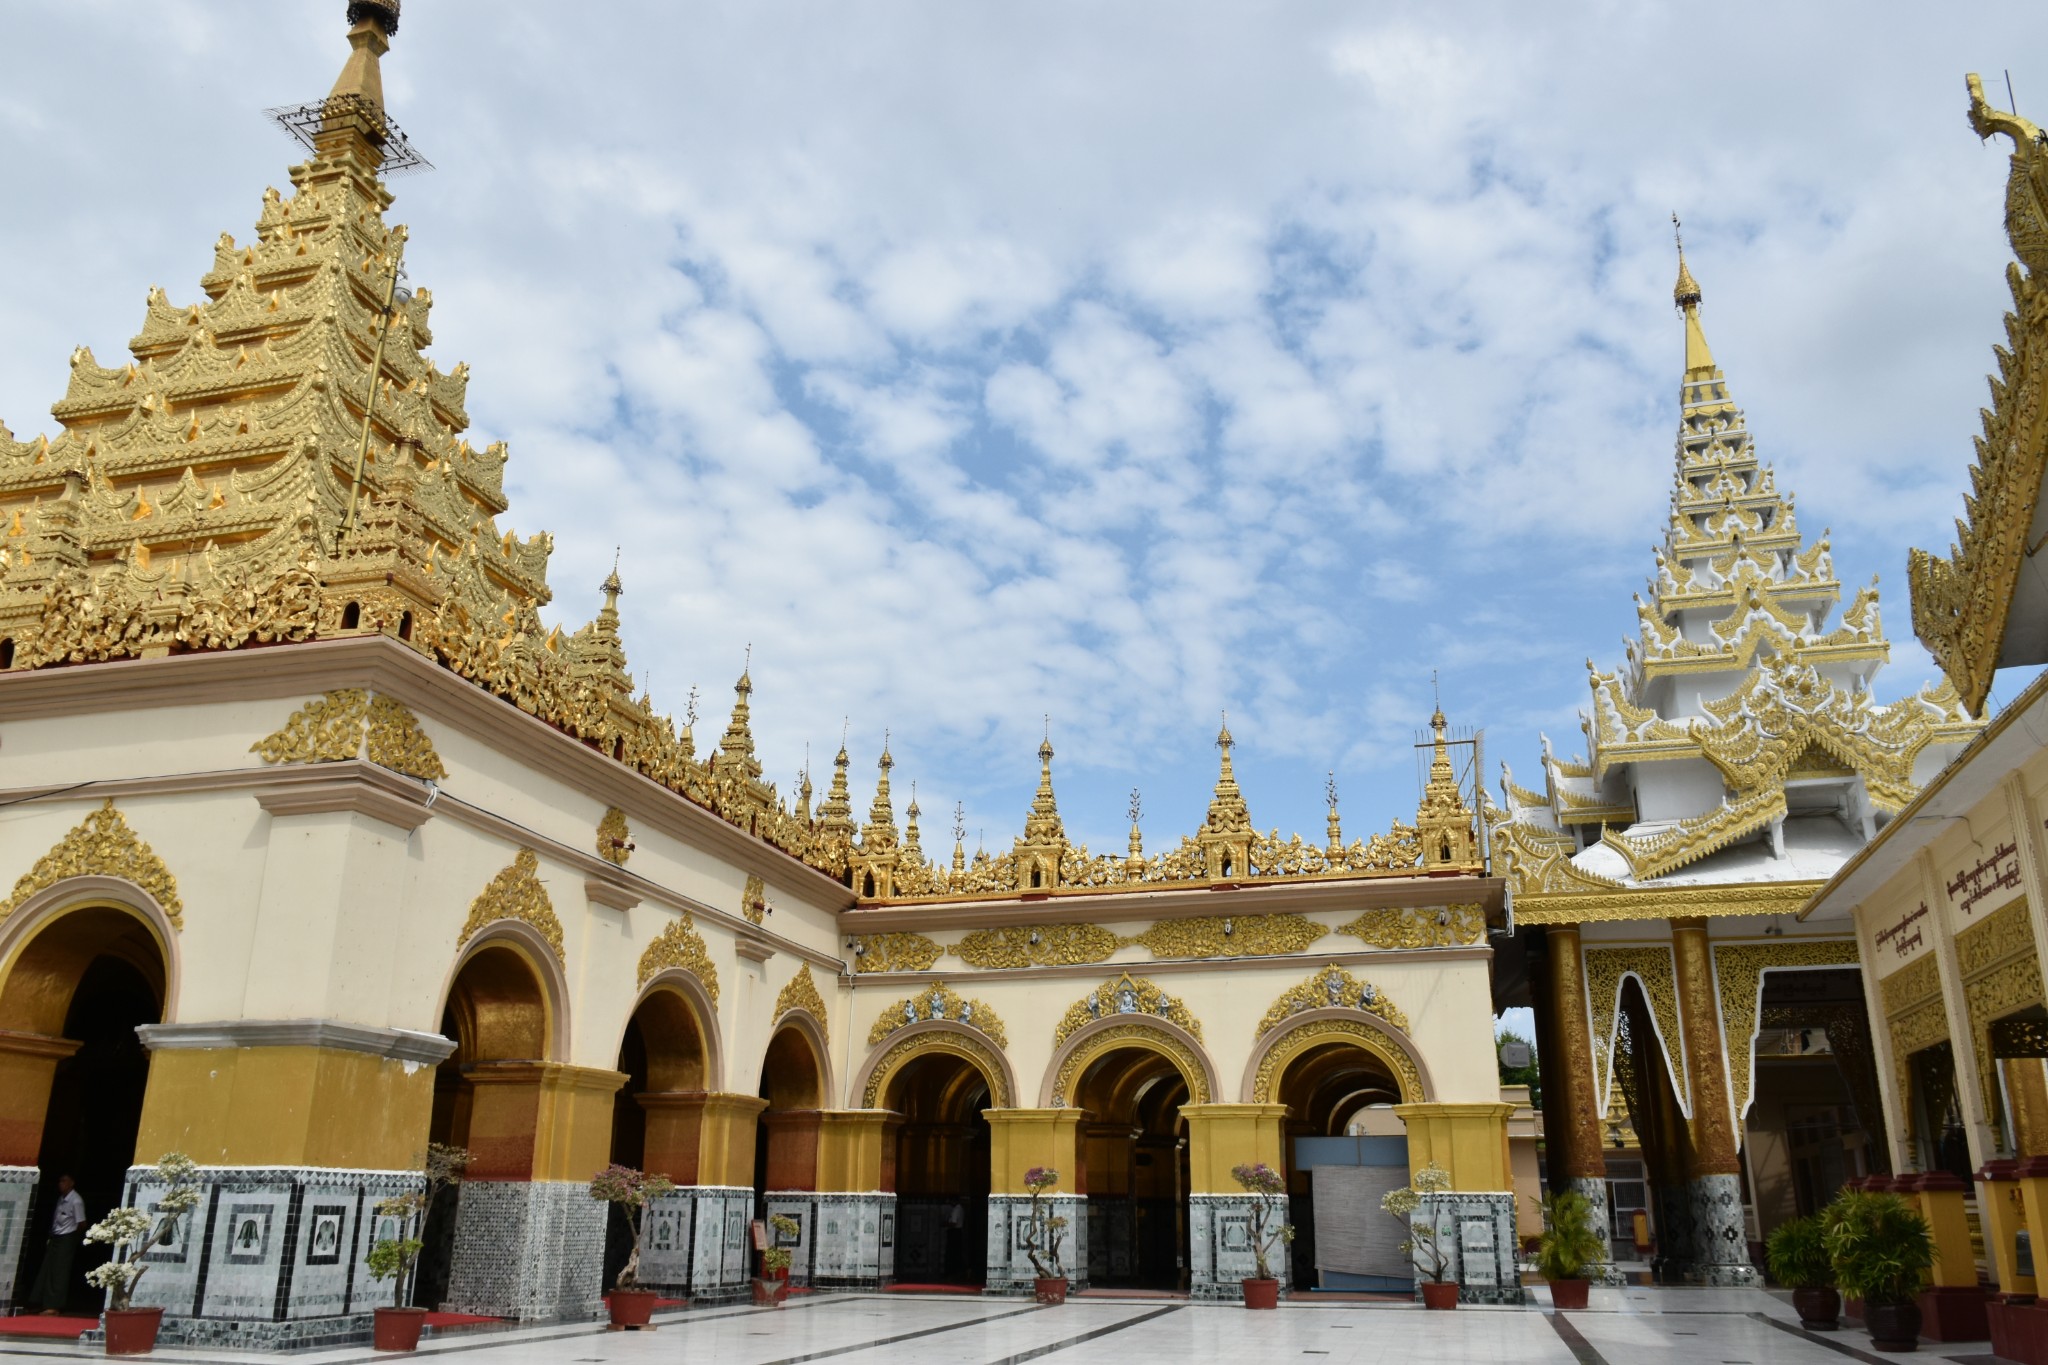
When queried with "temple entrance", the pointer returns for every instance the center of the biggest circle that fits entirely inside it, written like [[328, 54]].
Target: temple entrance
[[786, 1139], [655, 1119], [1135, 1170], [1643, 1078], [942, 1170], [1345, 1149], [497, 1013], [88, 977]]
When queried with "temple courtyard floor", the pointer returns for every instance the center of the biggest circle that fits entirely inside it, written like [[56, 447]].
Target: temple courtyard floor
[[1628, 1326]]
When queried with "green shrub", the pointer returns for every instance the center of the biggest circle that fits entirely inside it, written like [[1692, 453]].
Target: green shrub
[[1570, 1242], [1797, 1254], [1880, 1247]]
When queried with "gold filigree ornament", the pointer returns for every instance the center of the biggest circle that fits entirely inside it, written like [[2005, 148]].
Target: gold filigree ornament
[[1273, 1065], [984, 1059], [801, 994], [101, 845], [516, 893], [350, 723], [1651, 965], [939, 1001], [1739, 968], [1037, 945], [2001, 976], [1125, 995], [896, 952], [614, 837], [1230, 936], [1331, 988], [1443, 926], [1146, 1037], [754, 899], [680, 945]]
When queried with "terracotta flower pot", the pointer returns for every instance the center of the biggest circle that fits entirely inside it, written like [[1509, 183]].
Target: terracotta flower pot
[[397, 1329], [631, 1308], [1893, 1326], [1436, 1295], [1262, 1293], [1050, 1291], [132, 1331], [1569, 1293], [1819, 1308], [770, 1293]]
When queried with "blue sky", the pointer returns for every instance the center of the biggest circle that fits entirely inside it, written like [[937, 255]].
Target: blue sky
[[1121, 364]]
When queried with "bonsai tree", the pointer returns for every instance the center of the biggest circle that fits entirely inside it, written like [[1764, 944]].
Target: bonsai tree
[[1570, 1242], [1044, 1231], [395, 1258], [1797, 1255], [134, 1234], [1880, 1247], [777, 1258], [1422, 1194], [630, 1191], [1266, 1186]]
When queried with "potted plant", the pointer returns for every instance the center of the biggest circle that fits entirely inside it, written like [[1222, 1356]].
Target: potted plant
[[1424, 1247], [630, 1191], [133, 1234], [1569, 1244], [1797, 1255], [772, 1286], [1882, 1250], [1043, 1231], [1266, 1186], [396, 1327]]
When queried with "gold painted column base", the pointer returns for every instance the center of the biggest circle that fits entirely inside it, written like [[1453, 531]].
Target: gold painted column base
[[2006, 1215], [28, 1065], [540, 1120], [1940, 1198], [286, 1106], [1470, 1141], [1022, 1138], [857, 1150], [701, 1137], [1221, 1136]]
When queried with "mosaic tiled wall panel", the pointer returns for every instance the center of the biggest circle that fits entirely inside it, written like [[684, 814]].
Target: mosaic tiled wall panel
[[1220, 1245], [1478, 1231], [17, 1194], [531, 1250], [1009, 1265]]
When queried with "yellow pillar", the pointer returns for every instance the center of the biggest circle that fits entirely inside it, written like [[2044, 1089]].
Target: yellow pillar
[[857, 1150], [2006, 1215], [573, 1140], [1714, 1150], [286, 1106], [1022, 1138], [28, 1064], [1939, 1197], [1470, 1142], [1221, 1136], [1578, 1136]]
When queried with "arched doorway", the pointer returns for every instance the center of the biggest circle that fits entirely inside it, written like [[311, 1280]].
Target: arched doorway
[[1345, 1149], [942, 1170], [497, 1012], [787, 1135], [1134, 1161], [655, 1123], [73, 997]]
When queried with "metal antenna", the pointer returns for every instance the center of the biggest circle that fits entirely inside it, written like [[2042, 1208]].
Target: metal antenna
[[2010, 102]]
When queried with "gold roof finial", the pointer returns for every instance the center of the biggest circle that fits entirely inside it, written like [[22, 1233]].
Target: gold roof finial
[[1686, 294], [611, 587], [1227, 810], [1699, 360], [1043, 824], [371, 25], [1134, 864], [1336, 848]]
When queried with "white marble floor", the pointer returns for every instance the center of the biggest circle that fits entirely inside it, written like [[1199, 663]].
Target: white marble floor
[[1622, 1327]]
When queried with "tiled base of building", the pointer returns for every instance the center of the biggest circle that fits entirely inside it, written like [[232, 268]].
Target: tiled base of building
[[1709, 1245], [1594, 1188], [1220, 1257], [844, 1241], [1009, 1264], [17, 1199], [694, 1243], [1478, 1232], [530, 1250], [348, 1329]]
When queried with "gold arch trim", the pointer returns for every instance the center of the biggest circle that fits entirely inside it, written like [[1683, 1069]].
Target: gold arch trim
[[516, 893], [1356, 1032], [1125, 995], [1147, 1037], [680, 945], [1331, 988], [939, 1001], [101, 844], [899, 1054], [1739, 969], [1651, 964], [801, 994]]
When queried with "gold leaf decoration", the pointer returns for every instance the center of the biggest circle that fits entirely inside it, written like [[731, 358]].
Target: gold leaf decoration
[[1037, 945], [101, 845], [1444, 926], [1124, 995], [1739, 967], [802, 994], [344, 724], [1230, 936], [897, 952], [397, 742], [984, 1058], [1273, 1066], [614, 837], [939, 1001], [1332, 988], [516, 893], [1652, 965], [1147, 1036], [680, 945], [754, 900]]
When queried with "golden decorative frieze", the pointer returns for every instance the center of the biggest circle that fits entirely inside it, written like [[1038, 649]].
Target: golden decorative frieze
[[1912, 1030], [1651, 965], [1037, 945], [350, 723], [614, 837], [1692, 839], [1918, 980], [802, 994], [1331, 988], [895, 952], [1740, 967], [680, 945], [1961, 602], [516, 893], [1147, 1037], [2006, 989], [1998, 936], [985, 1059], [1230, 936], [394, 740], [1124, 995], [1442, 926], [939, 1001], [1666, 902], [1315, 1033], [101, 845], [754, 899]]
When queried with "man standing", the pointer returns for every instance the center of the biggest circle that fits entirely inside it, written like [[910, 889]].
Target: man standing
[[52, 1290]]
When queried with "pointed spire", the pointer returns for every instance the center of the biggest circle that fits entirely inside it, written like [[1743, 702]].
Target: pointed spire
[[612, 588], [959, 837], [880, 831], [1134, 863], [371, 27], [1227, 811], [913, 846], [1705, 390], [1043, 824], [736, 746], [835, 812], [1336, 849]]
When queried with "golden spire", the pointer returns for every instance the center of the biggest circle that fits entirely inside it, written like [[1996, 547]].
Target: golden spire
[[371, 27], [1227, 811], [880, 830], [1443, 822], [1134, 865], [1699, 360], [736, 746], [959, 837], [912, 845], [1336, 848], [1043, 824], [835, 812]]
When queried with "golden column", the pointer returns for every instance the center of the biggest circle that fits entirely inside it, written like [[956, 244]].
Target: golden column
[[1719, 1248], [1581, 1162]]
